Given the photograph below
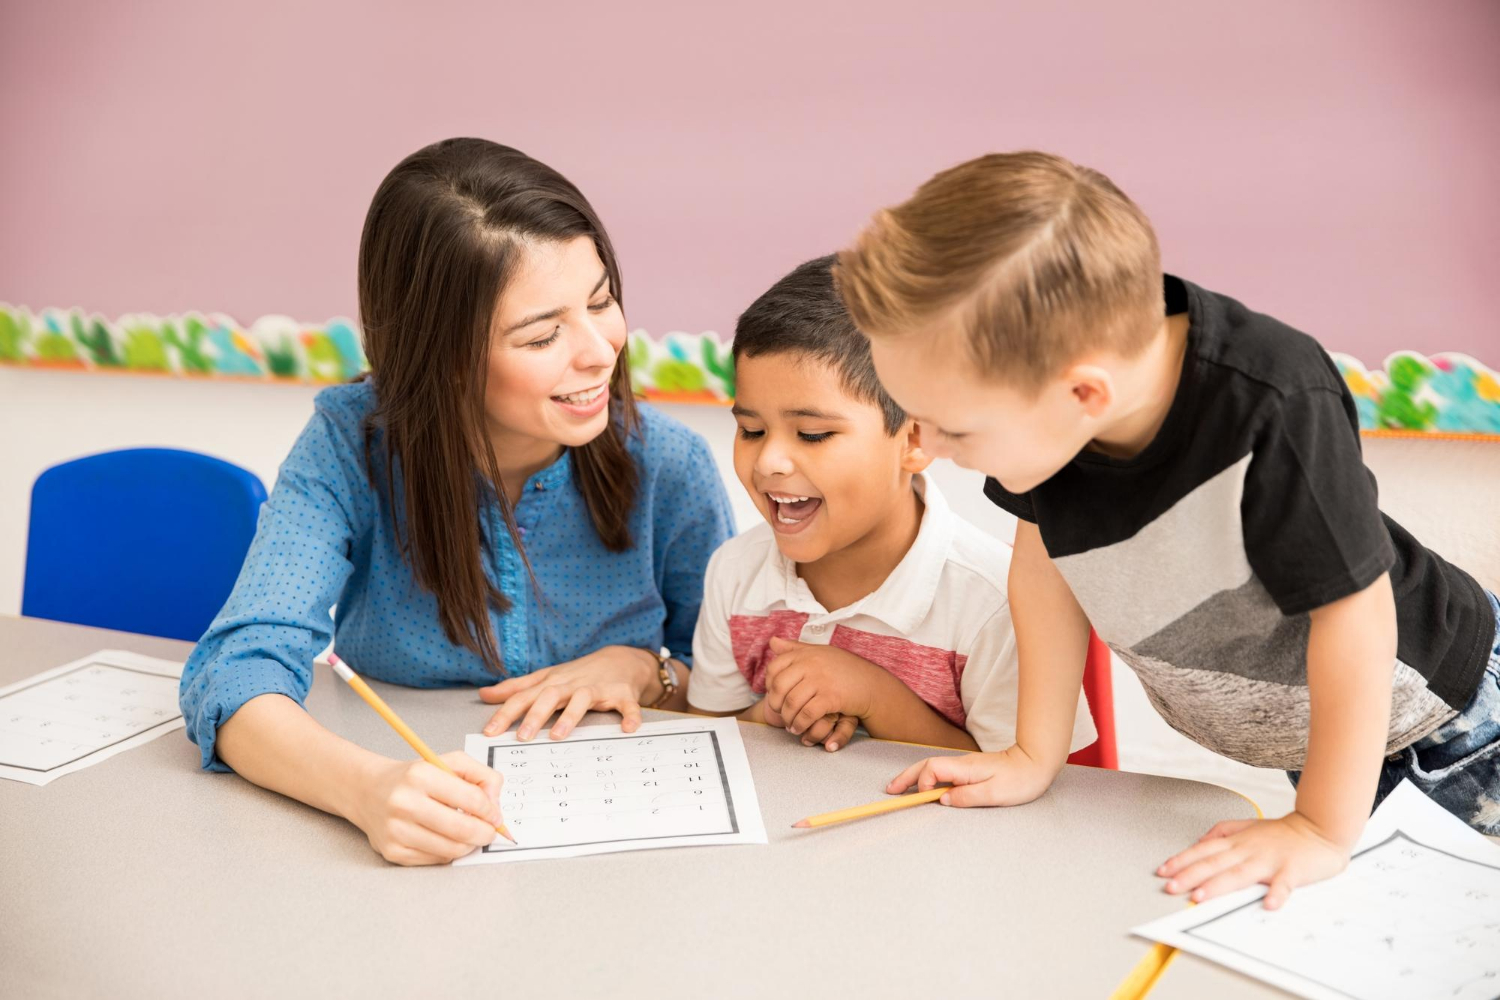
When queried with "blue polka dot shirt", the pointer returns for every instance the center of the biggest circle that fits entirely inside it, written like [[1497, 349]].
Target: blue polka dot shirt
[[326, 538]]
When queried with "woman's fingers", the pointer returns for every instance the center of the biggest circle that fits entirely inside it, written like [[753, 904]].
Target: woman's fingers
[[455, 794], [409, 857], [418, 836], [547, 701], [489, 780], [580, 703], [511, 686], [515, 707], [630, 715]]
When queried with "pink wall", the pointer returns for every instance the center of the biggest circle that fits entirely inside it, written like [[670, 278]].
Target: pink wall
[[1332, 162]]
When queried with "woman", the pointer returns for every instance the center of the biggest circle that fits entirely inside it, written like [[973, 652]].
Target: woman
[[489, 505]]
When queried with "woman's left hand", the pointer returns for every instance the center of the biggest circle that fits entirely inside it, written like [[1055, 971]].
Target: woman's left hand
[[615, 678]]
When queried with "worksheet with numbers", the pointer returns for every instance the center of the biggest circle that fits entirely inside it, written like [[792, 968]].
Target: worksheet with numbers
[[81, 713], [668, 784], [1416, 915]]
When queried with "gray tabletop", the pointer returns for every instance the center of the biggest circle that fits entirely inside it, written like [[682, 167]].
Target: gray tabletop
[[145, 877]]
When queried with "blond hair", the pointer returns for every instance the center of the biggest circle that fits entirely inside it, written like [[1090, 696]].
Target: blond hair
[[1038, 259]]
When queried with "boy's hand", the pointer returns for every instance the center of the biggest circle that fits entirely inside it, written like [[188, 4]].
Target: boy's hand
[[1007, 778], [806, 683], [833, 731], [1282, 853]]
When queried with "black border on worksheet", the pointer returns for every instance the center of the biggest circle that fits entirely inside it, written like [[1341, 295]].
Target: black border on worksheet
[[734, 819], [1397, 835], [58, 677]]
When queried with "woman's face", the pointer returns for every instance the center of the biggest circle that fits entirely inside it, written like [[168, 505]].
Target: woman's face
[[556, 335]]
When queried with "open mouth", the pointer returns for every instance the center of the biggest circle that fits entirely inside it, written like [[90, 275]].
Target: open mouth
[[791, 512], [585, 403]]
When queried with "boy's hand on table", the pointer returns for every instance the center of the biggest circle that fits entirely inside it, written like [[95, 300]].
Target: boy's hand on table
[[1283, 853], [818, 692], [833, 731], [1005, 778]]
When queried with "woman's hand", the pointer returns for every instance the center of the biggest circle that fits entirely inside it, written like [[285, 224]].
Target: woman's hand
[[417, 814], [616, 678]]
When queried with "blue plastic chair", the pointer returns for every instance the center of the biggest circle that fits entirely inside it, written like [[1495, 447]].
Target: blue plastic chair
[[146, 540]]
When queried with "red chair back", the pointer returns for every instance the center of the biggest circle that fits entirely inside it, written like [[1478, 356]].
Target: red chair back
[[1098, 689]]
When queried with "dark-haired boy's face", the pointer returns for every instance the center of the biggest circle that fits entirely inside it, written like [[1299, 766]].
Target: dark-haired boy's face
[[817, 461]]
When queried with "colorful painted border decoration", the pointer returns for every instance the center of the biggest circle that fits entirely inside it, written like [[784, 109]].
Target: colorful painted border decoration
[[1441, 395], [1437, 396], [193, 344]]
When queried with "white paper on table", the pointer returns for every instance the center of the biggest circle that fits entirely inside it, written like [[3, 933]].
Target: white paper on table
[[1416, 914], [600, 790], [71, 717]]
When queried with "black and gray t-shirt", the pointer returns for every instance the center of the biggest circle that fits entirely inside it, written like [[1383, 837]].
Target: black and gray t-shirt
[[1199, 559]]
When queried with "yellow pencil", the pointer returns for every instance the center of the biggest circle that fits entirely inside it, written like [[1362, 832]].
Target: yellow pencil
[[873, 808], [1145, 974], [378, 704]]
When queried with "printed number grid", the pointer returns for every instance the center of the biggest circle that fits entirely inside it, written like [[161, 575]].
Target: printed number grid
[[612, 789], [57, 721]]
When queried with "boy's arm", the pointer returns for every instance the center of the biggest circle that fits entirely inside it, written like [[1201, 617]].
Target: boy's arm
[[897, 712], [1351, 654], [1052, 646], [1351, 657], [1052, 636]]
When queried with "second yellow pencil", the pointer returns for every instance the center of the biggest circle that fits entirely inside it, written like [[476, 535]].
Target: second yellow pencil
[[872, 808]]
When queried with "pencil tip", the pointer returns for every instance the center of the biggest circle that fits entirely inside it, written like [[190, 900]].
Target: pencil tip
[[801, 824]]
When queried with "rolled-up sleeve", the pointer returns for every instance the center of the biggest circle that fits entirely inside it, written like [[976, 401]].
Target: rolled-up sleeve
[[277, 618]]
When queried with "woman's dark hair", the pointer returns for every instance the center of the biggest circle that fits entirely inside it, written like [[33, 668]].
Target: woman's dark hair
[[443, 237]]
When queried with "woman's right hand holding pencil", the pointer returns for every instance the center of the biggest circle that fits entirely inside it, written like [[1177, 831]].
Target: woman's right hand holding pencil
[[1006, 778], [415, 814]]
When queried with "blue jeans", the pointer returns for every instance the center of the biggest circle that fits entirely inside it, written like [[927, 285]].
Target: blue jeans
[[1458, 763]]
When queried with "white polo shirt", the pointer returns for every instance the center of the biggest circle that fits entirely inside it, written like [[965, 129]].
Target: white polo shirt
[[940, 622]]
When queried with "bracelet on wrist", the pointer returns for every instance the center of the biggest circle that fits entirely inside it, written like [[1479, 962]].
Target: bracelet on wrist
[[666, 675]]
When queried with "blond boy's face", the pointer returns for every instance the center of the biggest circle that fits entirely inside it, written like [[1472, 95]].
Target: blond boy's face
[[1020, 441], [817, 461]]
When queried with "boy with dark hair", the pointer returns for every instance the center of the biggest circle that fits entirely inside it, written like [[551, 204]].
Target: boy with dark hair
[[863, 598]]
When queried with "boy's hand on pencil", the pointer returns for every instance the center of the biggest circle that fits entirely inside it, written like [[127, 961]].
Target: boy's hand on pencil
[[411, 811], [818, 692], [1006, 778], [1283, 853], [615, 678]]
